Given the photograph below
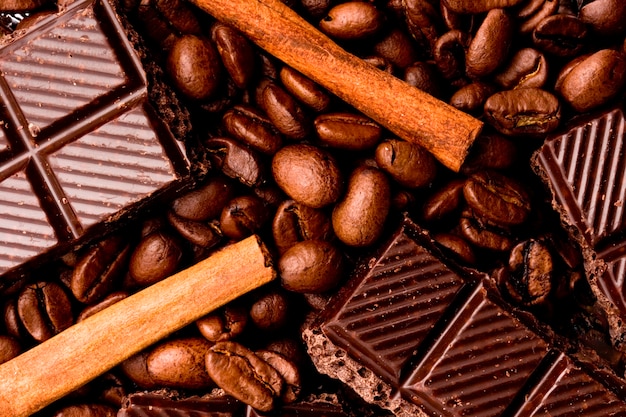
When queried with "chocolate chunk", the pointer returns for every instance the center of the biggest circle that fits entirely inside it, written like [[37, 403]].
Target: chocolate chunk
[[417, 335], [81, 143]]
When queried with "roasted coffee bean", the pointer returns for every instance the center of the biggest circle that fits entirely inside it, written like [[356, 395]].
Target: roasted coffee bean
[[478, 6], [530, 22], [9, 348], [204, 235], [22, 5], [530, 279], [484, 235], [316, 9], [304, 89], [236, 52], [206, 201], [99, 269], [380, 63], [155, 257], [86, 410], [490, 151], [287, 370], [44, 309], [136, 369], [225, 324], [424, 75], [407, 163], [403, 200], [284, 112], [236, 160], [308, 174], [295, 222], [444, 201], [528, 68], [311, 266], [359, 218], [397, 47], [457, 21], [243, 216], [352, 20], [561, 35], [245, 376], [496, 198], [456, 246], [109, 300], [271, 194], [12, 321], [528, 8], [270, 311], [195, 67], [471, 98], [424, 23], [594, 80], [110, 389], [490, 45], [177, 15], [289, 347], [449, 54], [253, 128], [179, 363], [347, 131], [606, 17], [523, 111]]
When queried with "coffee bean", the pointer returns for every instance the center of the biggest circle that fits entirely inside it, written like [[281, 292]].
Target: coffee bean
[[397, 48], [250, 126], [471, 98], [99, 269], [352, 20], [561, 35], [606, 17], [245, 376], [154, 258], [478, 6], [304, 89], [316, 9], [311, 266], [236, 161], [287, 370], [347, 131], [490, 151], [530, 279], [225, 324], [270, 311], [524, 111], [379, 62], [456, 246], [528, 68], [9, 348], [497, 198], [449, 54], [243, 216], [179, 363], [444, 201], [22, 5], [484, 235], [194, 66], [359, 218], [12, 322], [308, 174], [424, 75], [407, 163], [44, 309], [490, 45], [109, 300], [86, 410], [290, 348], [424, 23], [236, 53], [136, 369], [204, 235], [545, 8], [284, 112], [295, 222]]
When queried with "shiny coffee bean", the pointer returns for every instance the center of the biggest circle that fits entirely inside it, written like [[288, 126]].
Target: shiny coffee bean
[[311, 266], [351, 131], [44, 309], [458, 21], [380, 63], [484, 235], [359, 218], [12, 322], [109, 300], [490, 151], [528, 68], [444, 201], [456, 246], [288, 347], [408, 164], [424, 23], [224, 324], [606, 17], [352, 20], [253, 128], [9, 348], [424, 76], [22, 5], [243, 216], [99, 269], [155, 257], [236, 53], [294, 222], [316, 9], [287, 370], [195, 67], [245, 376], [545, 9], [284, 112], [136, 369], [530, 279], [308, 174], [561, 35], [478, 6], [471, 98], [236, 161], [304, 89], [205, 235], [449, 54], [490, 45], [397, 48], [179, 363], [86, 410], [524, 111], [270, 311]]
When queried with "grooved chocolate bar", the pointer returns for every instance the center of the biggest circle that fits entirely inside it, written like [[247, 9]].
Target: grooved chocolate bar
[[417, 335], [80, 142]]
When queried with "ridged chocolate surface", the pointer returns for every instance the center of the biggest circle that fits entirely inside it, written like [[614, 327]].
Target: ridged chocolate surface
[[80, 144], [479, 356]]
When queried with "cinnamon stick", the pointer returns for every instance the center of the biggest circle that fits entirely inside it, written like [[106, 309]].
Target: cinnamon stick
[[75, 356], [406, 111]]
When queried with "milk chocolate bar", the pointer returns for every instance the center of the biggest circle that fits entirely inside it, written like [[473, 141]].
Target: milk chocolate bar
[[417, 335], [82, 143]]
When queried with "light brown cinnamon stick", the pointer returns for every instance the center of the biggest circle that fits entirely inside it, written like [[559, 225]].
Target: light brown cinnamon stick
[[75, 356], [406, 111]]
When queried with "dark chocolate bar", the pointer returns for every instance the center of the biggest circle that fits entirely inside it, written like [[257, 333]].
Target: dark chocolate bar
[[585, 170], [417, 335], [81, 144]]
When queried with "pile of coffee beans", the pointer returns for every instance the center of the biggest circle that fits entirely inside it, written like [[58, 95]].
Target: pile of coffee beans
[[322, 184]]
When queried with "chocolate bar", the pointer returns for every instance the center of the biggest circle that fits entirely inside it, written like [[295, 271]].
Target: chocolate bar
[[82, 143], [417, 335], [585, 170]]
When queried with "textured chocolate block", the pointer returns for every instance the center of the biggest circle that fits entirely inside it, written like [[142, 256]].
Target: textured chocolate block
[[476, 354], [81, 143]]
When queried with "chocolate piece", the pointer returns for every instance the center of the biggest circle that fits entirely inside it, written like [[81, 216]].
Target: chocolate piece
[[416, 334], [81, 145], [585, 170]]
